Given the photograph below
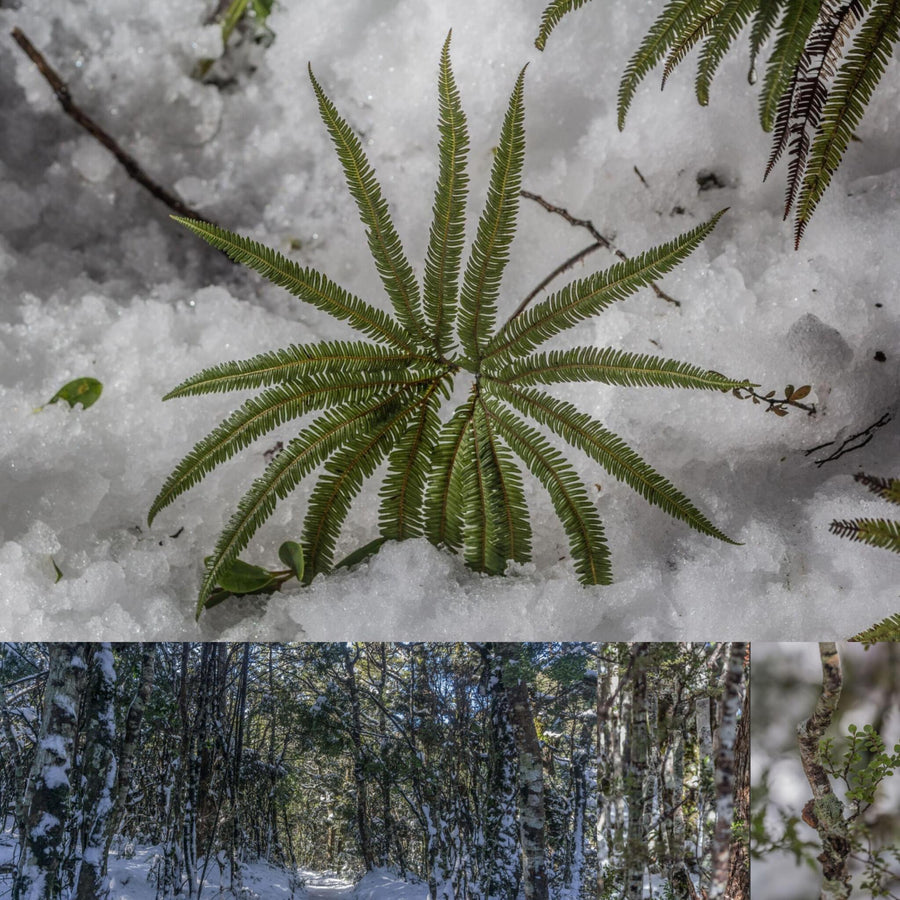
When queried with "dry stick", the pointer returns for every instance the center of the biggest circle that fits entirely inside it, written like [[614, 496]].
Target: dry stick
[[825, 812], [847, 445], [599, 241], [88, 124]]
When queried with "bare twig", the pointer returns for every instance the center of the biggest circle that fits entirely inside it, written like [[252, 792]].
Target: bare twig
[[127, 161], [848, 445], [599, 241]]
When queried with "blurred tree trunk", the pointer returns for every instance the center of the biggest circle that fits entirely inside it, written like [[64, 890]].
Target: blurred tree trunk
[[739, 874], [724, 769]]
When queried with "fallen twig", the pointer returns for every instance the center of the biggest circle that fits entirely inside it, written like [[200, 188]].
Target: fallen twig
[[128, 162], [599, 241], [847, 445]]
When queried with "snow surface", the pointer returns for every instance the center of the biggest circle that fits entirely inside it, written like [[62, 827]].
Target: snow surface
[[97, 281]]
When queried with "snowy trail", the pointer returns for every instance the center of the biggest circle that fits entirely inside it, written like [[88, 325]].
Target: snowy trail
[[326, 887]]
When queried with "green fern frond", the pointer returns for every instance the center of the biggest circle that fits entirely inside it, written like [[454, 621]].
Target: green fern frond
[[883, 533], [551, 17], [446, 496], [447, 235], [815, 68], [699, 29], [396, 273], [764, 21], [730, 21], [498, 529], [586, 297], [297, 361], [793, 30], [496, 228], [676, 19], [266, 411], [887, 488], [307, 284], [581, 431], [345, 472], [403, 491], [587, 541], [610, 366], [886, 630], [856, 80], [300, 456]]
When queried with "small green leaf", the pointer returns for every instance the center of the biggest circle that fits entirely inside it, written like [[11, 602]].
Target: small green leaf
[[291, 554], [243, 578], [361, 554], [85, 391], [58, 571]]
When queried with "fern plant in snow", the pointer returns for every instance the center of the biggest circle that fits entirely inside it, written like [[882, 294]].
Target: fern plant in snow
[[813, 94], [457, 482]]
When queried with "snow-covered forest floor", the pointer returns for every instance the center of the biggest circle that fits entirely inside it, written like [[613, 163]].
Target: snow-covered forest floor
[[97, 281], [130, 879]]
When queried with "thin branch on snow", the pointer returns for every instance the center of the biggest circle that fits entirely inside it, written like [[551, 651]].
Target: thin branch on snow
[[128, 162]]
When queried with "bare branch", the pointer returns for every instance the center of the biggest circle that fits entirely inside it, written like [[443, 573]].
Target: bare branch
[[128, 162]]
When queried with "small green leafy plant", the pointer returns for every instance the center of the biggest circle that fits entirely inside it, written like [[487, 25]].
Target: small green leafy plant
[[814, 94], [456, 482]]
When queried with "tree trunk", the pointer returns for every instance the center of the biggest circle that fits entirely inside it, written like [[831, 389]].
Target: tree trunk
[[359, 778], [635, 772], [739, 874], [129, 742], [44, 840], [503, 867], [727, 732], [532, 816], [99, 774], [825, 811]]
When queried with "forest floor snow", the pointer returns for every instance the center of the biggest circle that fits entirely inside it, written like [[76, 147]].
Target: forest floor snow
[[97, 281], [131, 879]]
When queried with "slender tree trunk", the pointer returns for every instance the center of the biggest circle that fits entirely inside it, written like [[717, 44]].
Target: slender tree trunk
[[99, 775], [727, 733], [636, 768], [129, 743], [44, 839], [739, 874], [503, 867], [825, 812], [359, 778], [532, 816]]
